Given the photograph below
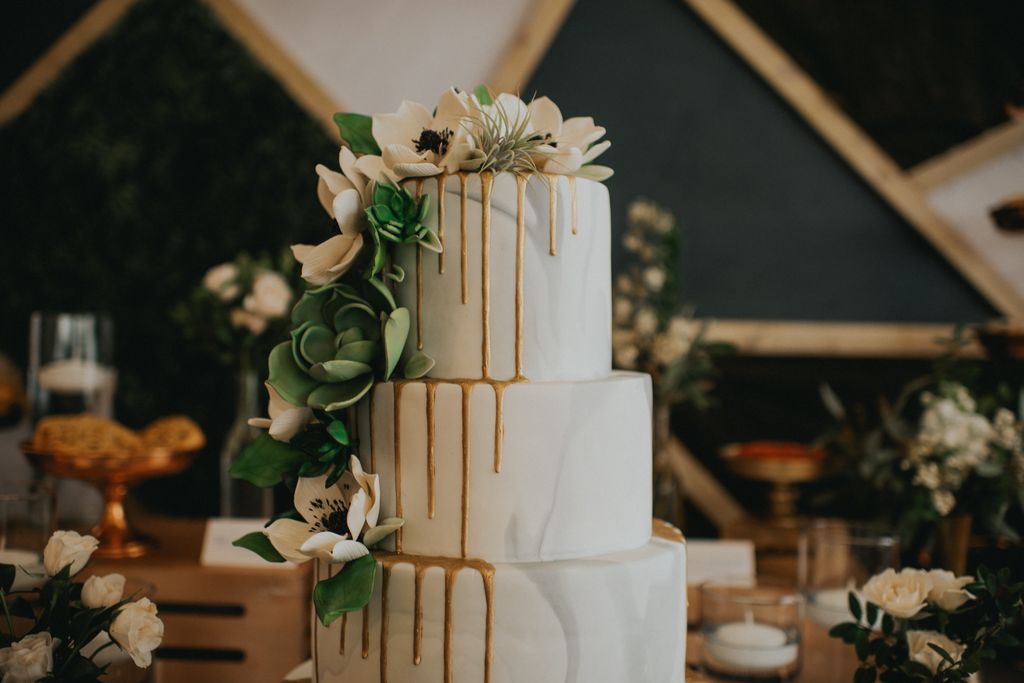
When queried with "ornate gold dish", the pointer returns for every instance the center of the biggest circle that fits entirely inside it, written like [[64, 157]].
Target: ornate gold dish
[[113, 458], [782, 464]]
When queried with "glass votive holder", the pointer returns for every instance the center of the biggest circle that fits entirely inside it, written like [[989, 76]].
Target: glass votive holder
[[751, 629], [837, 557], [26, 523]]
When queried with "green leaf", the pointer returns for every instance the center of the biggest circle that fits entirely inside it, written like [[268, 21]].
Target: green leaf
[[361, 351], [865, 674], [854, 604], [384, 292], [287, 378], [872, 614], [483, 94], [309, 308], [347, 591], [316, 343], [7, 574], [338, 432], [888, 624], [397, 273], [418, 365], [352, 334], [357, 131], [265, 461], [942, 653], [431, 242], [396, 331], [258, 543], [342, 370], [331, 397], [861, 643]]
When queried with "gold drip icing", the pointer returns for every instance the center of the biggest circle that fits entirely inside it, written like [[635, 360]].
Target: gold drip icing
[[499, 423], [366, 632], [552, 209], [572, 200], [665, 531], [442, 181], [341, 639], [419, 297], [467, 390], [486, 181], [520, 249], [398, 386], [431, 395], [463, 195], [385, 579], [451, 567]]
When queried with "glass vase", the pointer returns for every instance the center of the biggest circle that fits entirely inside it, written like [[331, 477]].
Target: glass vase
[[240, 498]]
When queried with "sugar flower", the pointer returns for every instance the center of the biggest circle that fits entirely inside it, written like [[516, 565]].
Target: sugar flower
[[415, 142]]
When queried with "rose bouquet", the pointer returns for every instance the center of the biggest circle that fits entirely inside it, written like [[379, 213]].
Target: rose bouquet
[[348, 332], [931, 626], [63, 629]]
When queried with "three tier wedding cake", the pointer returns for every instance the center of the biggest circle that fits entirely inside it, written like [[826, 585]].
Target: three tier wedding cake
[[447, 402]]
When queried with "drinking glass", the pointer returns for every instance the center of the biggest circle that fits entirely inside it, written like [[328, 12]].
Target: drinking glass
[[751, 628], [71, 364]]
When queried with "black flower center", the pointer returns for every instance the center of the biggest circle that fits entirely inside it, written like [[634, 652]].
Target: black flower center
[[329, 515], [433, 141]]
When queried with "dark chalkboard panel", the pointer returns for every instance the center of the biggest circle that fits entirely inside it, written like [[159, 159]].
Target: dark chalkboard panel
[[776, 225]]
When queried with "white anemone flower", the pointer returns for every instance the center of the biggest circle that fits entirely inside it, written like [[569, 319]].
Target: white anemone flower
[[573, 144], [286, 420], [415, 142], [333, 518]]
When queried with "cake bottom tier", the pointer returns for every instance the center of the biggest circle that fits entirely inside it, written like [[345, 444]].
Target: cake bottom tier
[[617, 617]]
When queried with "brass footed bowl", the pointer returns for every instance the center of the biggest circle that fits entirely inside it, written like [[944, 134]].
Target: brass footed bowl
[[113, 458]]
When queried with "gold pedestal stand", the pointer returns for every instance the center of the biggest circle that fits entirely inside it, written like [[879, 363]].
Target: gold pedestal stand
[[113, 459]]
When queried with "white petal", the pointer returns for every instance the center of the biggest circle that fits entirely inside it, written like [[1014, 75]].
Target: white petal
[[382, 530], [260, 422], [373, 167], [596, 151], [594, 172], [452, 109], [403, 126], [289, 423], [317, 261], [312, 498], [400, 154], [373, 511], [346, 551], [418, 170], [357, 513], [321, 544], [580, 131], [343, 265], [277, 404], [545, 116], [323, 193], [514, 108], [347, 164], [335, 181], [348, 211], [452, 161], [287, 537], [566, 160]]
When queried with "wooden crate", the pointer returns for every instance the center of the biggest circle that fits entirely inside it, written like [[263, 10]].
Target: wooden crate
[[222, 624]]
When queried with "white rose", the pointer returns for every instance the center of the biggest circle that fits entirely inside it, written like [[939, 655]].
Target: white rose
[[240, 318], [917, 643], [270, 296], [138, 631], [68, 548], [902, 594], [28, 660], [222, 280], [948, 589], [102, 591]]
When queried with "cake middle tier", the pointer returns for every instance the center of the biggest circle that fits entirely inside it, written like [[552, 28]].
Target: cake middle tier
[[513, 471], [523, 286]]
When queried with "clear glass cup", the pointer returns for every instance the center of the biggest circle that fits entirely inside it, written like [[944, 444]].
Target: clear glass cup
[[71, 364], [837, 557], [751, 628], [26, 522]]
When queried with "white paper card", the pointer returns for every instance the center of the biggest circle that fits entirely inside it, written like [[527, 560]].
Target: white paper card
[[708, 559], [218, 551]]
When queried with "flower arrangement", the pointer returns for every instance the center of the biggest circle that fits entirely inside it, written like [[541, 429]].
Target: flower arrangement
[[67, 625], [348, 332], [237, 307], [651, 331], [924, 626]]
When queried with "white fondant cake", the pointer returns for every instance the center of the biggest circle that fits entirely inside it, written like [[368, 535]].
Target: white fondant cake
[[522, 466]]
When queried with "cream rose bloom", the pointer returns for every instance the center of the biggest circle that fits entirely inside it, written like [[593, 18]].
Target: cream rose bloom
[[270, 298], [138, 631], [240, 318], [917, 643], [901, 594], [28, 660], [68, 548], [222, 280], [948, 589], [102, 591]]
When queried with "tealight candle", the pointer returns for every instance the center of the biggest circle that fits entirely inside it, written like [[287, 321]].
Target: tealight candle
[[830, 606], [751, 646]]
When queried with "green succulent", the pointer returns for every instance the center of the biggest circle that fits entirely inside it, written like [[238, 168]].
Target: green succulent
[[343, 340], [396, 216]]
